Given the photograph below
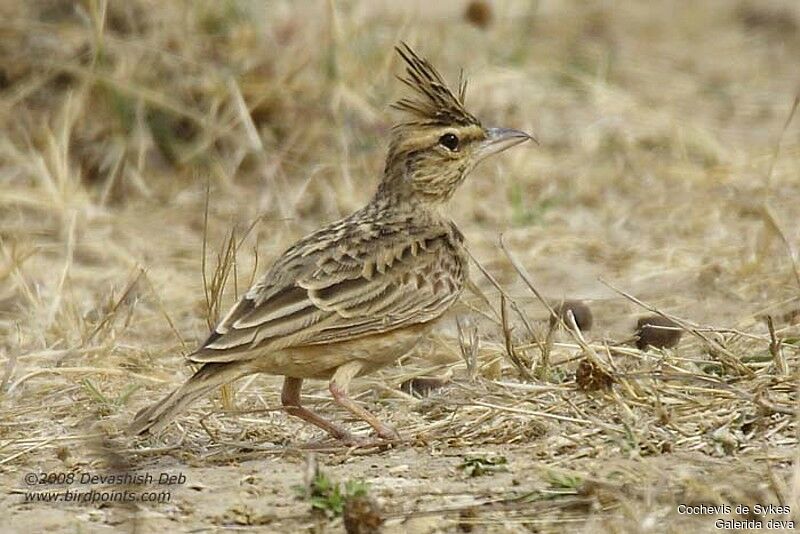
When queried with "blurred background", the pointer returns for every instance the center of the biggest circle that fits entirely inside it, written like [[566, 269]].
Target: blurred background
[[145, 145], [658, 125]]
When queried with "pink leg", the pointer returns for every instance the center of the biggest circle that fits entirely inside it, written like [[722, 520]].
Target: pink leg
[[338, 388], [290, 398]]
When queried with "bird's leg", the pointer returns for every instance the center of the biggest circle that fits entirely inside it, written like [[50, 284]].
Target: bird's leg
[[290, 398], [338, 388]]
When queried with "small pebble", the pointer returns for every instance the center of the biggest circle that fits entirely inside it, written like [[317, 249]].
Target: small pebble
[[479, 13], [648, 333], [421, 386], [592, 378], [362, 515], [581, 312]]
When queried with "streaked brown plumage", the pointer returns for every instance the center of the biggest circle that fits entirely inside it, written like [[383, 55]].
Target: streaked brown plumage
[[359, 293]]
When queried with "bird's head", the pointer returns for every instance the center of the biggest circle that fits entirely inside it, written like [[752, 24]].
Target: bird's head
[[440, 142]]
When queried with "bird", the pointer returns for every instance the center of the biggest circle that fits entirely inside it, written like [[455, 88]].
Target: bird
[[359, 293]]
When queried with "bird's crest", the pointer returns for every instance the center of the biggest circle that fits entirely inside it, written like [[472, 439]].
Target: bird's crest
[[433, 103]]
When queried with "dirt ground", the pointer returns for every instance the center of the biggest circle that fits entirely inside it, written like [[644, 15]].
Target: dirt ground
[[154, 157]]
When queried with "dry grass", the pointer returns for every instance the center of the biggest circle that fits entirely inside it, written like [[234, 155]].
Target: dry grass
[[156, 156]]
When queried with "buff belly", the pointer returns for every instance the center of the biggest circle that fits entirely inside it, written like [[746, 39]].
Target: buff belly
[[321, 361]]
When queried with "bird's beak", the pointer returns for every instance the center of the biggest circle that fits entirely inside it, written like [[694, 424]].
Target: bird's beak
[[500, 139]]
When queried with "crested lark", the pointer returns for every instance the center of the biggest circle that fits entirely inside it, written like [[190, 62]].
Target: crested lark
[[359, 293]]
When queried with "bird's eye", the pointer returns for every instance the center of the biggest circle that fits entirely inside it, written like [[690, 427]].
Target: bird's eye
[[449, 141]]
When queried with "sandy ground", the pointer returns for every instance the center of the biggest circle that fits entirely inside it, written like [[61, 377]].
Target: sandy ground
[[420, 489]]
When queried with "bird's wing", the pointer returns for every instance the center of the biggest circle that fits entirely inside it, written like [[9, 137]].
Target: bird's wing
[[341, 294]]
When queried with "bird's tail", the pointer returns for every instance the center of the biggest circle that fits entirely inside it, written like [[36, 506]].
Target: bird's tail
[[208, 377]]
